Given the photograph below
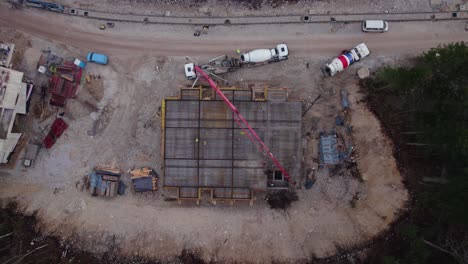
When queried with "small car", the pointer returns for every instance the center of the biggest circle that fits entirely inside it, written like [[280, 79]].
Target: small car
[[97, 58]]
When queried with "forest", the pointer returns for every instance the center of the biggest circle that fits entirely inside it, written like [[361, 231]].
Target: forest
[[424, 110]]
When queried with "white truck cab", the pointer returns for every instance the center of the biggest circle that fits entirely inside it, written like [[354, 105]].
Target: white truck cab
[[190, 71], [283, 51]]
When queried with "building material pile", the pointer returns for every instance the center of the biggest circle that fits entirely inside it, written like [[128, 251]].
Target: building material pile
[[105, 181], [328, 147], [65, 76], [144, 179], [64, 83]]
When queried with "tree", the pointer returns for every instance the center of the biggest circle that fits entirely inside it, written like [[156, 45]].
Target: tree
[[430, 98]]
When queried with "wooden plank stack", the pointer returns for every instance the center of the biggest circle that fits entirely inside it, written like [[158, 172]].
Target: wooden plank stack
[[110, 181]]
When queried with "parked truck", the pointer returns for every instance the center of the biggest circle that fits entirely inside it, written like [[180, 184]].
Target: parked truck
[[262, 56], [30, 154], [346, 59], [218, 65]]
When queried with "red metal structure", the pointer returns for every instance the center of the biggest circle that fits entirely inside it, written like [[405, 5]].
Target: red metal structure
[[64, 84], [243, 124]]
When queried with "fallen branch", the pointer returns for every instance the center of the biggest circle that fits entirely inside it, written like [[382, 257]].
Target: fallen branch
[[7, 235], [29, 253], [440, 249]]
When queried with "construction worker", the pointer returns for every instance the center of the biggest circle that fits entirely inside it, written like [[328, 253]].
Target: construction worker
[[196, 140], [238, 51]]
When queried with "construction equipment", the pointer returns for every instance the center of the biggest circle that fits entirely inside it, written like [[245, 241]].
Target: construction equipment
[[30, 154], [243, 124], [221, 64], [218, 65], [346, 59], [45, 5], [264, 56]]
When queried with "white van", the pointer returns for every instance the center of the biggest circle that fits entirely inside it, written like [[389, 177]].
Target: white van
[[374, 26]]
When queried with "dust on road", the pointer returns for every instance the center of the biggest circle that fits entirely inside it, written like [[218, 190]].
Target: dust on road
[[67, 30]]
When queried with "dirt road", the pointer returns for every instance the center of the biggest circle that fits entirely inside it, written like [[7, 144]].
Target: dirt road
[[338, 211], [402, 38]]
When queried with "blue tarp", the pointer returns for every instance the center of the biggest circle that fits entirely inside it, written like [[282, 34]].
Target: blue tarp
[[143, 184], [96, 181], [328, 149], [344, 99]]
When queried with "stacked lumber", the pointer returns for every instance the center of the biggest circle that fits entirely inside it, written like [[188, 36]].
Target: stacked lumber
[[141, 172], [106, 181], [108, 171]]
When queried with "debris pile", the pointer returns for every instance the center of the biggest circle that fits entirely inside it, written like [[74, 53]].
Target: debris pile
[[65, 76], [281, 199], [64, 83]]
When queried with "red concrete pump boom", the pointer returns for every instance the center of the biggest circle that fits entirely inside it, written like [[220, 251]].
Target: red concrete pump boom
[[243, 124]]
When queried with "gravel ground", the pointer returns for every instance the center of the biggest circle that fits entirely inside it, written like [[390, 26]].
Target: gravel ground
[[254, 7], [124, 130], [129, 135]]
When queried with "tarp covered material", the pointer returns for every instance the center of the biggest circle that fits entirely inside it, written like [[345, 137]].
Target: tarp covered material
[[106, 183], [344, 99], [143, 184], [328, 149], [96, 181]]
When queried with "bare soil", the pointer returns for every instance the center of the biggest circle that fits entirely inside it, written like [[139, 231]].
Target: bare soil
[[122, 128]]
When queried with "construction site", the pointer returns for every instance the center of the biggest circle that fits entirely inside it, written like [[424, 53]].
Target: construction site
[[206, 153], [159, 138]]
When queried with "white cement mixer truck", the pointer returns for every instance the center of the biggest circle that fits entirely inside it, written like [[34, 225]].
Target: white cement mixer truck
[[346, 59], [263, 56]]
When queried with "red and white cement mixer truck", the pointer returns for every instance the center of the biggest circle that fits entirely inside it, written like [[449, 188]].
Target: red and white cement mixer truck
[[346, 59]]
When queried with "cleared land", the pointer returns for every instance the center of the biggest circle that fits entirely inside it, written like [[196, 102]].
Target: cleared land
[[124, 130]]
